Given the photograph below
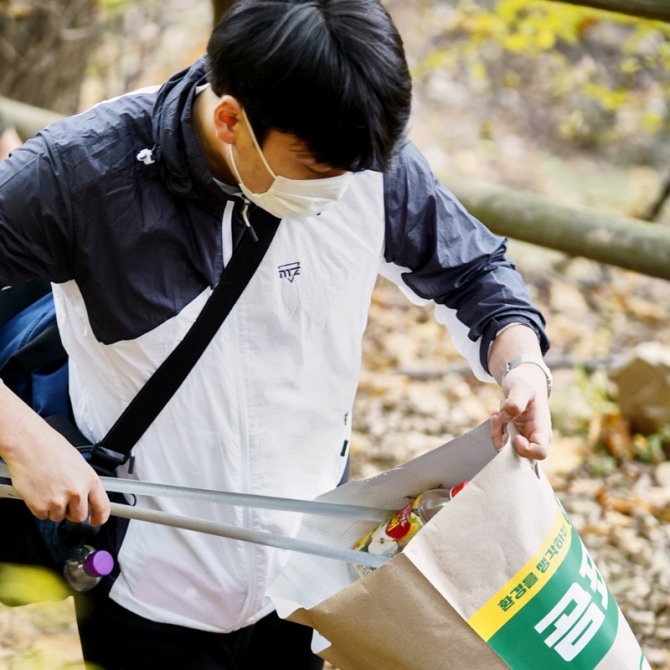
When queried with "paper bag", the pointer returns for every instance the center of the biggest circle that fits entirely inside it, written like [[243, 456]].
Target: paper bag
[[499, 578]]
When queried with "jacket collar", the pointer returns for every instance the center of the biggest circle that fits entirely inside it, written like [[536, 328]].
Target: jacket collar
[[177, 149]]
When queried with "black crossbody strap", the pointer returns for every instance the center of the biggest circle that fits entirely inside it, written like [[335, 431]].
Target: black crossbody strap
[[115, 447]]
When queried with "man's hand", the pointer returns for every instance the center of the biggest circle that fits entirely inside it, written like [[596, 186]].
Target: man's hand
[[524, 409], [48, 473], [524, 413]]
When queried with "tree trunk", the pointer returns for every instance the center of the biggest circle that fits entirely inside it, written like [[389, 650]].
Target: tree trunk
[[44, 50], [219, 8], [649, 9]]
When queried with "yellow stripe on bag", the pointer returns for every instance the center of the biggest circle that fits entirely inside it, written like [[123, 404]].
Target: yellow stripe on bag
[[526, 583]]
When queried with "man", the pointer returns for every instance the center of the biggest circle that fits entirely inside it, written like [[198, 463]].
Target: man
[[133, 208]]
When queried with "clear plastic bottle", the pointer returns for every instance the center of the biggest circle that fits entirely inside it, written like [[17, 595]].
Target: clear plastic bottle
[[392, 536], [86, 566]]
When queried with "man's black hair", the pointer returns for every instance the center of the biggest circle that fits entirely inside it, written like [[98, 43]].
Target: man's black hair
[[331, 72]]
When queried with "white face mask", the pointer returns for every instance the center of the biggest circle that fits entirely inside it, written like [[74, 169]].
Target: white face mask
[[292, 198]]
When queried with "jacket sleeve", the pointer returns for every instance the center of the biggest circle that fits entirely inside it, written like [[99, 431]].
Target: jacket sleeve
[[436, 251], [35, 237]]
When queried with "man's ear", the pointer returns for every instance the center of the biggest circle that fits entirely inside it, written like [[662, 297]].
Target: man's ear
[[227, 114]]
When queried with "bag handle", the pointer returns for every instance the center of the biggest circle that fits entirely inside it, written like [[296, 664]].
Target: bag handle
[[114, 449]]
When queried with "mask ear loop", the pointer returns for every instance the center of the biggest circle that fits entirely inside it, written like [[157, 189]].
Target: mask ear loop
[[258, 148], [234, 164]]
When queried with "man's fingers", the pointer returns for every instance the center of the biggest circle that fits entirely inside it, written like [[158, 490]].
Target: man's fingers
[[527, 438], [513, 406], [99, 506], [53, 511], [499, 434], [533, 448], [77, 510]]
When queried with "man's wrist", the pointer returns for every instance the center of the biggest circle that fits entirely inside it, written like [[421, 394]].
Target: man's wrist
[[531, 359]]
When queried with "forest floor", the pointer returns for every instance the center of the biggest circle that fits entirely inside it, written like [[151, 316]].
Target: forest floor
[[416, 394]]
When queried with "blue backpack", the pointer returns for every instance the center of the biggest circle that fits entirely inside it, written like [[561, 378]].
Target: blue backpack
[[33, 362]]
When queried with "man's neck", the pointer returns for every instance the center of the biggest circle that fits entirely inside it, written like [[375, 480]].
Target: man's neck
[[212, 147]]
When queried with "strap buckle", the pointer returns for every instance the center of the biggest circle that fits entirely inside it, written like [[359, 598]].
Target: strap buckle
[[106, 458]]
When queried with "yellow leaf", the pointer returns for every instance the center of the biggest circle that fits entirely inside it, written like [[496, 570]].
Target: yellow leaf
[[25, 584]]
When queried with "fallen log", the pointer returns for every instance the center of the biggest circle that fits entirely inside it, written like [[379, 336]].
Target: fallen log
[[27, 119], [615, 240]]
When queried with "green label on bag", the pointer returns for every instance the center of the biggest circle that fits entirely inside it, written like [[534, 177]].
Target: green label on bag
[[556, 612]]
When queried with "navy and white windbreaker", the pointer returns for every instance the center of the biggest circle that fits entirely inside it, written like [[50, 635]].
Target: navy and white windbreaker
[[134, 247]]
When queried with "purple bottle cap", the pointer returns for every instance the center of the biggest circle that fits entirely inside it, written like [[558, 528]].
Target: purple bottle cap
[[99, 563]]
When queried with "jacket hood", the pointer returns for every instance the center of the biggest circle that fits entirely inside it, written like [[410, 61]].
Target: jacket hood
[[176, 147]]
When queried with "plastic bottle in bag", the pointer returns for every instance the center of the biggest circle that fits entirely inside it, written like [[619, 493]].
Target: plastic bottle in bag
[[392, 536], [86, 566]]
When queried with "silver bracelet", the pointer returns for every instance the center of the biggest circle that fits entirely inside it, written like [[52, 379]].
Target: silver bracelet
[[534, 360]]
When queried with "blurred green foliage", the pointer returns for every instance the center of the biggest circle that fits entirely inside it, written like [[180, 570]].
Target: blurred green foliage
[[610, 66]]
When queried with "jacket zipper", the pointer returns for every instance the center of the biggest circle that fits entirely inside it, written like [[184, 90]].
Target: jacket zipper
[[243, 416], [245, 218]]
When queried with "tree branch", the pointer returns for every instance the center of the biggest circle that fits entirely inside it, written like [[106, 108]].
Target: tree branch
[[649, 9]]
